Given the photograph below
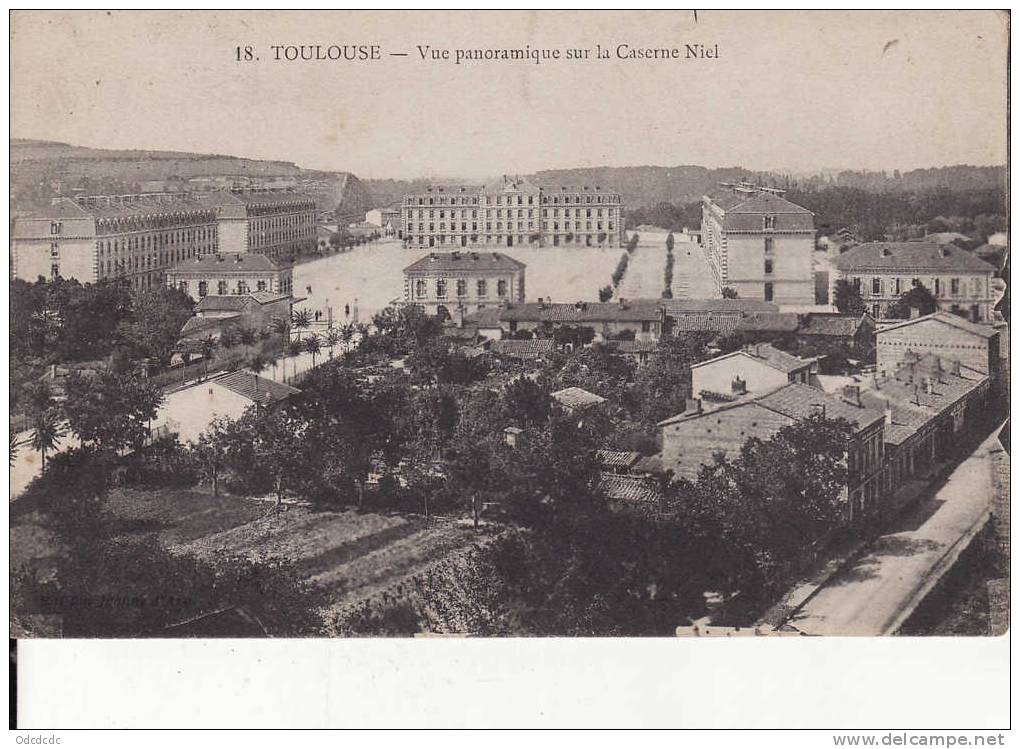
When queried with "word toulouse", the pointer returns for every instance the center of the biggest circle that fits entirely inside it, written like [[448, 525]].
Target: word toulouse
[[315, 52]]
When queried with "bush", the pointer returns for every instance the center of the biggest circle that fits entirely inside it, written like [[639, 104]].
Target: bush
[[605, 293]]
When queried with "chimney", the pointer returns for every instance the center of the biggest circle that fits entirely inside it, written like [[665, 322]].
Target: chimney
[[852, 395], [954, 367], [541, 303], [917, 394], [623, 303], [915, 312], [694, 405], [886, 251], [929, 386], [888, 414], [738, 386], [943, 250]]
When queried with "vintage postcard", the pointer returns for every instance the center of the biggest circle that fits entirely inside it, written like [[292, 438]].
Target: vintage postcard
[[363, 324]]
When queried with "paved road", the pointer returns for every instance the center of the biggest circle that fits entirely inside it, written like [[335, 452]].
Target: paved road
[[692, 275], [874, 595]]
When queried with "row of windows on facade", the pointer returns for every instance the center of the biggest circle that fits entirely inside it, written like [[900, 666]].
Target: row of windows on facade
[[897, 286], [151, 262], [432, 239], [147, 242], [510, 199], [261, 239], [241, 287], [261, 209], [421, 288], [598, 225], [520, 213]]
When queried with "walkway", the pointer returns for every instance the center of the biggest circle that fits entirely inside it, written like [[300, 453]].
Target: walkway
[[692, 275], [646, 269], [876, 594]]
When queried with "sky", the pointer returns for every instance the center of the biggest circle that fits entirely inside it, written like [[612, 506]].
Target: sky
[[795, 91]]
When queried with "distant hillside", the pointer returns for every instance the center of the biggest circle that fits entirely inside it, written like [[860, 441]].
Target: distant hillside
[[647, 185], [42, 170]]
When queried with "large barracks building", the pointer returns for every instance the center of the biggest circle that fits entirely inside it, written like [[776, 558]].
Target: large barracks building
[[512, 213]]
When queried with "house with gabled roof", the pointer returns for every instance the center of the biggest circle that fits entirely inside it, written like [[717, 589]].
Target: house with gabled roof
[[945, 335]]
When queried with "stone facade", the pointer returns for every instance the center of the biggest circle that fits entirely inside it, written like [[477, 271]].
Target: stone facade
[[136, 237], [277, 223], [883, 271], [513, 213], [442, 283], [944, 335], [227, 274], [760, 244]]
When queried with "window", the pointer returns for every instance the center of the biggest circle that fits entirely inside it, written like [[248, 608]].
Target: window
[[54, 249], [183, 286], [54, 270], [482, 288], [461, 287], [954, 286], [501, 288], [55, 227], [441, 287], [646, 326], [261, 286], [936, 285], [876, 311], [770, 222], [419, 288], [203, 288], [769, 245], [876, 286], [221, 288], [768, 266], [899, 286], [768, 291]]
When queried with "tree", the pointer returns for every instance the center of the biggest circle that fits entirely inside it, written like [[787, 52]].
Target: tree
[[300, 320], [670, 242], [155, 323], [728, 292], [313, 347], [108, 411], [332, 338], [919, 298], [847, 298], [15, 443], [213, 448], [46, 431], [347, 332], [605, 293]]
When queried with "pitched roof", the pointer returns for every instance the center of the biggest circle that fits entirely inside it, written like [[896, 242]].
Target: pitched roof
[[119, 206], [799, 401], [532, 347], [223, 302], [777, 358], [198, 324], [692, 322], [826, 324], [780, 322], [912, 409], [719, 305], [575, 397], [487, 317], [628, 488], [766, 202], [230, 262], [465, 261], [634, 347], [985, 331], [638, 310], [910, 257], [268, 297], [617, 458], [242, 382]]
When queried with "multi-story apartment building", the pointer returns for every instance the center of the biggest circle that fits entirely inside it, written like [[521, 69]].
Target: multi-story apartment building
[[883, 271], [279, 223], [759, 244], [513, 213], [137, 237], [444, 282], [219, 274]]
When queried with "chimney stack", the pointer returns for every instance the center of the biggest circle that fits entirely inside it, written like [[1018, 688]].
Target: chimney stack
[[852, 395], [739, 386], [915, 312], [694, 405]]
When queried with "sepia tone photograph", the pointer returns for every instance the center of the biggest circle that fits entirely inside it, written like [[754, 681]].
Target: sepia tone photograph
[[509, 324]]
